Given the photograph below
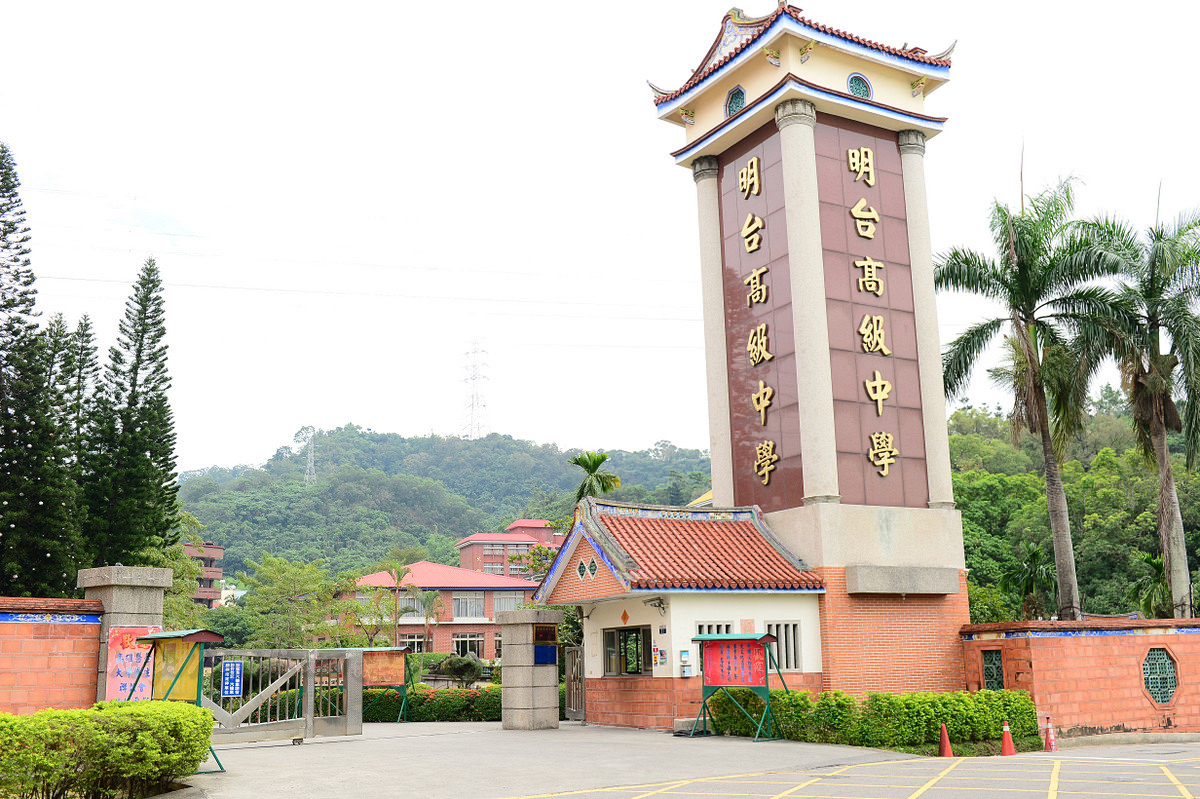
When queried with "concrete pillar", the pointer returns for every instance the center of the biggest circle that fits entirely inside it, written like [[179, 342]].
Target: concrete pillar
[[530, 689], [132, 596], [796, 120], [929, 347], [705, 171]]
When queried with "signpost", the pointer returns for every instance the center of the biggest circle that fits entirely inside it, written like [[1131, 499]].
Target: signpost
[[739, 660], [231, 678]]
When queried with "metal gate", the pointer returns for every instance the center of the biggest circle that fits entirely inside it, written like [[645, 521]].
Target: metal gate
[[574, 674], [283, 693]]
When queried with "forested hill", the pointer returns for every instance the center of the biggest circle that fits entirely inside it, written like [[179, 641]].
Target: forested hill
[[377, 491]]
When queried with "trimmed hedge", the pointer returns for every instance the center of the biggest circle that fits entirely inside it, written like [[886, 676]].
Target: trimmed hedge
[[882, 720], [128, 749], [442, 704]]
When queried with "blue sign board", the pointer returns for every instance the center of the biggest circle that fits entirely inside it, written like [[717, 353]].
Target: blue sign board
[[231, 678]]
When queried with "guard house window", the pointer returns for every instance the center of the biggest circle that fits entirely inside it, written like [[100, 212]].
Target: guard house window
[[993, 669], [468, 643], [859, 86], [1158, 671], [627, 651], [735, 101], [468, 605], [787, 645], [714, 627]]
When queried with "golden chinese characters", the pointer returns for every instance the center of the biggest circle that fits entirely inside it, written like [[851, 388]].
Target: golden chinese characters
[[871, 280], [883, 451], [757, 345], [761, 400], [750, 235], [758, 289], [878, 390], [865, 219], [764, 460], [871, 330], [748, 179], [862, 162]]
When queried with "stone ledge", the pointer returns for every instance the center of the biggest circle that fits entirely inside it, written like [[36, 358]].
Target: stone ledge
[[125, 576], [864, 579]]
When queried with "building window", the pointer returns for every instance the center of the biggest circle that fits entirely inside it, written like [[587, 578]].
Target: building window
[[414, 641], [859, 86], [518, 549], [507, 600], [517, 568], [493, 549], [493, 568], [496, 645], [714, 627], [1158, 671], [787, 646], [468, 605], [735, 101], [627, 651], [993, 670], [468, 642]]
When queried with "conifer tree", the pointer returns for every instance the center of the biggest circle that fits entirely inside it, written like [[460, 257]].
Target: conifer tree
[[129, 473], [80, 374], [39, 532]]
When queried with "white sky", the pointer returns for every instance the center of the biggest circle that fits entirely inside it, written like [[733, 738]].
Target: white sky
[[344, 197]]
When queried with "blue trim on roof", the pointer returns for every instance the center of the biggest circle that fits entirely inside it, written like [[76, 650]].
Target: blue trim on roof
[[1080, 633], [785, 21], [49, 618]]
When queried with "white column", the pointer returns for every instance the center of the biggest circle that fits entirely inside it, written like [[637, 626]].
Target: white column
[[929, 347], [705, 172], [796, 120]]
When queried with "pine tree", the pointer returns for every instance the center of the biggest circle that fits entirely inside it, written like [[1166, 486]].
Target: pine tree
[[80, 374], [39, 525], [129, 469]]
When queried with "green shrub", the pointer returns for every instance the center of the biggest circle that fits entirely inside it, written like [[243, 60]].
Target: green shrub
[[880, 719], [131, 749], [465, 670]]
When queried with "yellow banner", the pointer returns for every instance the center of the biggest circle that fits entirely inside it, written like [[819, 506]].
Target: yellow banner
[[169, 658]]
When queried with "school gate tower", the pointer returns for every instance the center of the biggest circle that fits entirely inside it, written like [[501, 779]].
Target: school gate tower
[[826, 408]]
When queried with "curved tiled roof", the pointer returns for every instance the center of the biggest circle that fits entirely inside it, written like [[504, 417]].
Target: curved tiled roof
[[702, 551], [913, 54]]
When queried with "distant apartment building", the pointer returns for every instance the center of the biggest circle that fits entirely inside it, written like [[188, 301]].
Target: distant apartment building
[[208, 593], [489, 552], [470, 601]]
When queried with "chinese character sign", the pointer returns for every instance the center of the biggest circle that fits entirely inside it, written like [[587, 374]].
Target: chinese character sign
[[125, 658], [231, 678], [734, 663]]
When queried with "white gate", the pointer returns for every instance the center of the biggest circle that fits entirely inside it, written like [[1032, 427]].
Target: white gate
[[283, 693]]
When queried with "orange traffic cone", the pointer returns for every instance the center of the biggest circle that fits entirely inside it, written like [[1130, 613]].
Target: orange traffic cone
[[944, 750], [1006, 742], [1051, 738]]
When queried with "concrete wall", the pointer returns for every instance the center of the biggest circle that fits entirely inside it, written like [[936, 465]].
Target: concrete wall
[[1087, 676], [49, 653]]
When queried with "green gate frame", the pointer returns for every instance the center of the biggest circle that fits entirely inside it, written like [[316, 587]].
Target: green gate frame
[[768, 722]]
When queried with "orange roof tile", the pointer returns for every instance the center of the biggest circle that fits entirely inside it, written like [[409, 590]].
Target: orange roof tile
[[730, 549], [25, 604]]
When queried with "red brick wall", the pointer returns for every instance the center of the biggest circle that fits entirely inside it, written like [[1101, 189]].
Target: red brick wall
[[1091, 683], [570, 589], [47, 664], [643, 702], [881, 642]]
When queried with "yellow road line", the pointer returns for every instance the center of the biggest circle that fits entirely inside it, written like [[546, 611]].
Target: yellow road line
[[1052, 791], [795, 788], [1182, 790], [934, 781], [667, 788]]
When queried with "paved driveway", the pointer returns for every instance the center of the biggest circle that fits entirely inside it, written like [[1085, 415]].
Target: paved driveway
[[455, 760]]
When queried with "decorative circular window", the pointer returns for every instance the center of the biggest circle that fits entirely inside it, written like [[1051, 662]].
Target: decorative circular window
[[735, 101], [1158, 671], [859, 86]]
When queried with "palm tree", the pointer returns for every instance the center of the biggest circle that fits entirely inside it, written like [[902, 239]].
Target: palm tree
[[1030, 578], [1041, 278], [1157, 295], [429, 603], [1150, 592], [595, 482]]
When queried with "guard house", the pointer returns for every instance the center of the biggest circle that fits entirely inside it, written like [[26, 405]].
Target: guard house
[[827, 418], [649, 579]]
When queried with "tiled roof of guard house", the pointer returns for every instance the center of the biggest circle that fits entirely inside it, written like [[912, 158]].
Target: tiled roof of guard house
[[676, 548], [712, 61]]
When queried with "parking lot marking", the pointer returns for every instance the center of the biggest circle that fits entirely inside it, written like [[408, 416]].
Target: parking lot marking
[[935, 780], [665, 788], [1182, 790]]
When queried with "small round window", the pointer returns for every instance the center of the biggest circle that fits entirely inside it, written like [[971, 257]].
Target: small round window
[[1158, 671], [735, 102], [859, 86]]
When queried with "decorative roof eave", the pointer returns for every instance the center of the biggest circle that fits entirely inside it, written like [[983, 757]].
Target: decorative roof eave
[[612, 555], [781, 24], [762, 110]]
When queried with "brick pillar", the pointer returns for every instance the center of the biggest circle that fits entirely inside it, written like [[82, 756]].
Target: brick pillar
[[132, 596], [530, 692]]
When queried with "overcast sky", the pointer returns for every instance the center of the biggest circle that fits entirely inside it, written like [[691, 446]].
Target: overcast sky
[[345, 198]]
